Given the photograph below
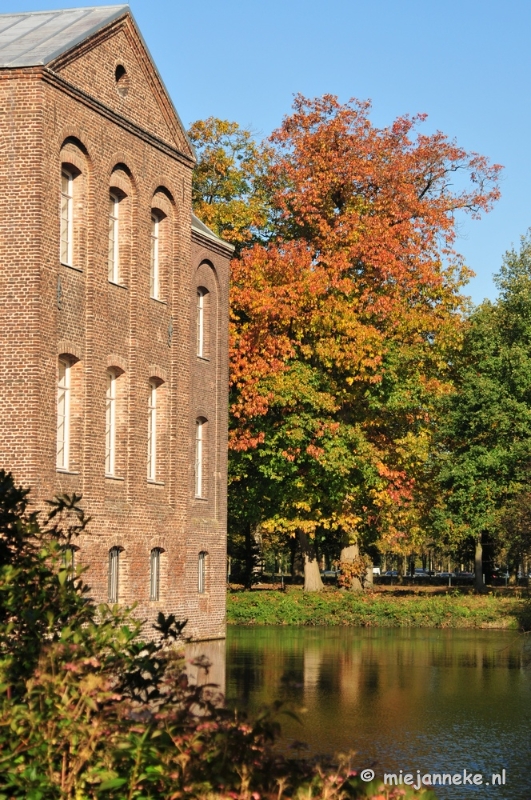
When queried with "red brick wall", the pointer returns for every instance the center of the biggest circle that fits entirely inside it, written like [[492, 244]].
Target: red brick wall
[[48, 309]]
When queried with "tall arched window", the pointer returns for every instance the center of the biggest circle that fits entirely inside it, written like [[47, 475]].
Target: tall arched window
[[114, 574], [202, 317], [67, 217], [110, 424], [154, 584], [200, 453], [63, 413], [154, 273], [114, 237], [152, 432], [201, 573]]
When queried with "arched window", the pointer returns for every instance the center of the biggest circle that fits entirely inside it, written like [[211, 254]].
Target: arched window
[[152, 432], [200, 453], [114, 574], [67, 217], [201, 573], [202, 317], [63, 413], [154, 583], [110, 423], [114, 237], [154, 273]]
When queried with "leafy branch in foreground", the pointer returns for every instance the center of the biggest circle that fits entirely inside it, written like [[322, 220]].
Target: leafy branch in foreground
[[90, 709]]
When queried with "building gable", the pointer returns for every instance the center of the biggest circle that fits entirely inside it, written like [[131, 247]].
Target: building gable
[[114, 67]]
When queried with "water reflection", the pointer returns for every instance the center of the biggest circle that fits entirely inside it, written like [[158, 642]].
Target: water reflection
[[404, 699]]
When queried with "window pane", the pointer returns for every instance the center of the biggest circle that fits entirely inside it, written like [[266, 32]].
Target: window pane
[[110, 424], [154, 267], [152, 432], [155, 574], [63, 410], [67, 220], [200, 323], [113, 239], [114, 563], [199, 458], [201, 573]]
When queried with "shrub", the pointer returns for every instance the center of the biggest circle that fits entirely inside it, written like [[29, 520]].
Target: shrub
[[90, 709]]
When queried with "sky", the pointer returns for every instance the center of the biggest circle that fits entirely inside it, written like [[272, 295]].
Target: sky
[[464, 63]]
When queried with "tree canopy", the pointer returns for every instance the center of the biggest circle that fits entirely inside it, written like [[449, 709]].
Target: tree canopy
[[485, 446], [345, 318]]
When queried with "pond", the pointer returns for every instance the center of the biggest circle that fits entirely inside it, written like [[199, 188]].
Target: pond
[[438, 701]]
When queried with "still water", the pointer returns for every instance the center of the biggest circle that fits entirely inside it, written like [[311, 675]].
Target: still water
[[428, 700]]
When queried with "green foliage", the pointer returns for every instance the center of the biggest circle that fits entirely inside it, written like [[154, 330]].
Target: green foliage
[[90, 709], [381, 610], [485, 454]]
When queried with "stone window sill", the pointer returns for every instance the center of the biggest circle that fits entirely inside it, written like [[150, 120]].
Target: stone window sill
[[114, 477], [118, 285], [64, 471], [155, 483]]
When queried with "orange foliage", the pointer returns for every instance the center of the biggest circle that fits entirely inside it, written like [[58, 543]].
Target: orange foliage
[[361, 282]]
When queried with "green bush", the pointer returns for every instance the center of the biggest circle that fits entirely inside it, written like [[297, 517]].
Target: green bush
[[90, 709], [381, 610]]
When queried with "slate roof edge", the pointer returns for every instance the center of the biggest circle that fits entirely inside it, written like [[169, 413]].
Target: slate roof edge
[[200, 228], [121, 11]]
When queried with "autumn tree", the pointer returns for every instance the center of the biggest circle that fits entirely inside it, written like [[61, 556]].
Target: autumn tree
[[344, 321], [228, 192]]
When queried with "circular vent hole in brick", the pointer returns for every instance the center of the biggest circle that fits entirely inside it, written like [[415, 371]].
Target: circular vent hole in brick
[[122, 80]]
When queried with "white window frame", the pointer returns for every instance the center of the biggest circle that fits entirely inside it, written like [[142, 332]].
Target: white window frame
[[154, 580], [154, 274], [114, 238], [201, 572], [199, 457], [110, 424], [152, 432], [67, 218], [200, 323], [114, 574], [63, 414]]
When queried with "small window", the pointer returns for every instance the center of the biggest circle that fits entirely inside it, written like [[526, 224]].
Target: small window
[[154, 274], [114, 238], [122, 80], [114, 574], [67, 217], [152, 432], [154, 586], [200, 431], [63, 414], [201, 573]]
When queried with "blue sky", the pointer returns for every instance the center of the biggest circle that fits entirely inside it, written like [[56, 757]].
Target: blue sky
[[466, 64]]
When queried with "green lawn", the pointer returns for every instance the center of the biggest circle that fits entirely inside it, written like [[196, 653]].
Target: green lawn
[[381, 609]]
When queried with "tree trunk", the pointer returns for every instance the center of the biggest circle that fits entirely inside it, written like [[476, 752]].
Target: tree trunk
[[479, 586], [312, 576], [350, 553]]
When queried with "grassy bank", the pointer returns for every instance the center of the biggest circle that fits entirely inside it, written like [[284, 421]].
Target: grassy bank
[[379, 609]]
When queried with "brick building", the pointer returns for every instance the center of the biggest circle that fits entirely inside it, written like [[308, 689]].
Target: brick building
[[113, 312]]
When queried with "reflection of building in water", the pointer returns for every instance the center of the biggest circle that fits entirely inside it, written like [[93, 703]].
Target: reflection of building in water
[[205, 663]]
